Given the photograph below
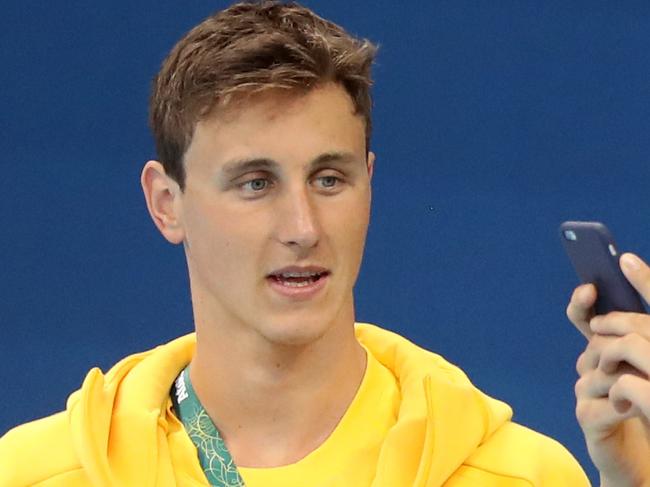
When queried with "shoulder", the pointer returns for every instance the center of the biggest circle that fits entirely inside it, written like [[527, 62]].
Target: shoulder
[[519, 452], [39, 451]]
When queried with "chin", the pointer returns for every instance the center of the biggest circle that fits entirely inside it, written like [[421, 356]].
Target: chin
[[298, 333]]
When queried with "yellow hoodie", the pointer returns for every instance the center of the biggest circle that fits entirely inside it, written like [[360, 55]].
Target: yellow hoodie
[[118, 430]]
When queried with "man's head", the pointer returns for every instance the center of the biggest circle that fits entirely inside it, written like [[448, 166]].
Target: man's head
[[244, 50], [262, 116]]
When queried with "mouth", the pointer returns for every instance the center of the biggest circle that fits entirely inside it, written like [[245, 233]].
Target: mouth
[[297, 279], [298, 283]]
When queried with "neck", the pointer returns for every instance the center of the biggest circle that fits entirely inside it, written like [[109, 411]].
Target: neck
[[274, 404]]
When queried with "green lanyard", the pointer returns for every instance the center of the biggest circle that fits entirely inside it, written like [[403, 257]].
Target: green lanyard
[[214, 456]]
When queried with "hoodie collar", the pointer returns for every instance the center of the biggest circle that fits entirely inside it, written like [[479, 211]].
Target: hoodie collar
[[441, 421]]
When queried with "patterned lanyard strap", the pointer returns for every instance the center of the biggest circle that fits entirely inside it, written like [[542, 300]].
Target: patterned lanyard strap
[[214, 456]]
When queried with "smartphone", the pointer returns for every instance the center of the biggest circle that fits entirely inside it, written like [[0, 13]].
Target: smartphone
[[594, 256]]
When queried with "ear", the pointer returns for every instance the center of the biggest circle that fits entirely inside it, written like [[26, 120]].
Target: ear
[[164, 201], [370, 161]]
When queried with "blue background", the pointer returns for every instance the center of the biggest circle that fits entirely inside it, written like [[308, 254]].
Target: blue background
[[494, 122]]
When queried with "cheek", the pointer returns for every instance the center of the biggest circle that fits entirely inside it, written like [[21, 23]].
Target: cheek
[[351, 227], [221, 243]]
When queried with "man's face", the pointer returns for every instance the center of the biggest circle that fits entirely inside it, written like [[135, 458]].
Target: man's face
[[277, 188]]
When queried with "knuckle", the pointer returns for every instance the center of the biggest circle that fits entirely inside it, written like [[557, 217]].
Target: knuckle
[[574, 293], [571, 310], [573, 307], [582, 411], [580, 364], [580, 387]]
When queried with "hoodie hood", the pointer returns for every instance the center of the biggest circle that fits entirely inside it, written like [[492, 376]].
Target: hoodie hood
[[443, 419], [129, 407]]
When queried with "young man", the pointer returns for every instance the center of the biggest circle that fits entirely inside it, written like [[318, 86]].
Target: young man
[[613, 392], [261, 116]]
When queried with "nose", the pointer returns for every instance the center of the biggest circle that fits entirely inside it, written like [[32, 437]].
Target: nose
[[298, 225]]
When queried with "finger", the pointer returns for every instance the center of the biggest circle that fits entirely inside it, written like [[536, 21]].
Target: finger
[[596, 384], [637, 272], [598, 417], [621, 323], [590, 358], [631, 395], [580, 308], [631, 349], [587, 361], [582, 364]]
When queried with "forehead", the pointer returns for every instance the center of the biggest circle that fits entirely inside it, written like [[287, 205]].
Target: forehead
[[275, 101], [323, 118]]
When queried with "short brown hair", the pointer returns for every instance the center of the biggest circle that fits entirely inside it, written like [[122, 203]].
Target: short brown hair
[[245, 49]]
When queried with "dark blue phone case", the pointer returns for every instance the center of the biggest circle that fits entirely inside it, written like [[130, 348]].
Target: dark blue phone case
[[594, 256]]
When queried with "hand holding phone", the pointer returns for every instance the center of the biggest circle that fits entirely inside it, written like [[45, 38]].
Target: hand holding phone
[[613, 390]]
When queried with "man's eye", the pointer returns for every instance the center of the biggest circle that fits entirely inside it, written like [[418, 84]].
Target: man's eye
[[256, 185], [328, 181]]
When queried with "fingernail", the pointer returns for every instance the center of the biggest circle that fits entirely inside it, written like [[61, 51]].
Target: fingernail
[[630, 262]]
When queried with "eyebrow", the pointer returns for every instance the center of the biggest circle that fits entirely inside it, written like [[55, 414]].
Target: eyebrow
[[238, 166]]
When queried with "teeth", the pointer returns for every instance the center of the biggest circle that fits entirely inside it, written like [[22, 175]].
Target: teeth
[[298, 284], [299, 274]]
